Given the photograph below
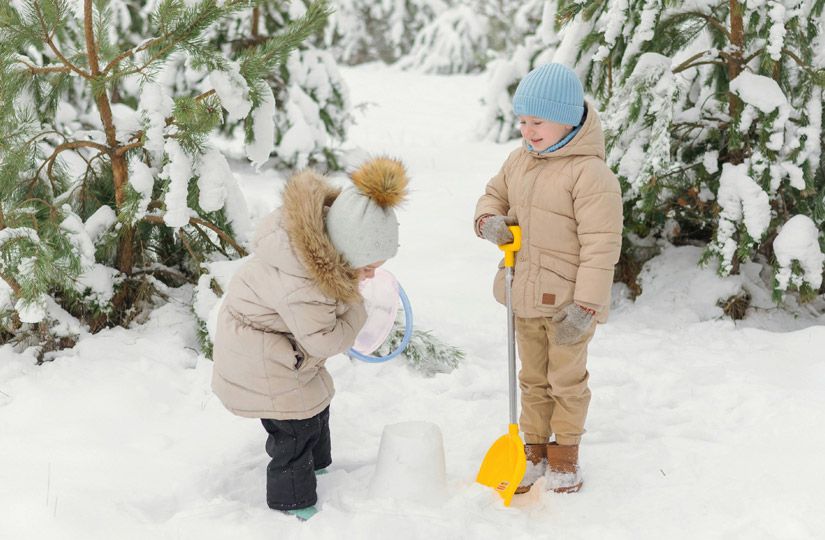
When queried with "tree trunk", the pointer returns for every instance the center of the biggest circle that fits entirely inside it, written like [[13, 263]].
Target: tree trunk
[[120, 172], [256, 21], [734, 61]]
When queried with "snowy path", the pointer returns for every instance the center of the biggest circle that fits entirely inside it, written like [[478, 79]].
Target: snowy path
[[698, 428]]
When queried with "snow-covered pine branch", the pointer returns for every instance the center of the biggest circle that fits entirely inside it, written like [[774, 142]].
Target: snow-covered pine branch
[[110, 174], [532, 41], [455, 42], [368, 30]]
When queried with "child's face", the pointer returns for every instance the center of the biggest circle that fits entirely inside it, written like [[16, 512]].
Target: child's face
[[368, 272], [541, 134]]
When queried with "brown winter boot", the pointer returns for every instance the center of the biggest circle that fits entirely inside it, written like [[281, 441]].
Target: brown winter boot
[[536, 466], [563, 475]]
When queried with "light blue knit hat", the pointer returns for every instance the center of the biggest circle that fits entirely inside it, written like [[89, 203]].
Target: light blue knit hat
[[552, 92]]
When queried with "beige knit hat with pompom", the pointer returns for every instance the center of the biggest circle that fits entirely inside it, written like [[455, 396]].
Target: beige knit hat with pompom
[[361, 222]]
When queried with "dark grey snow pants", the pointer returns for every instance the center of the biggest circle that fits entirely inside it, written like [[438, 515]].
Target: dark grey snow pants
[[298, 448]]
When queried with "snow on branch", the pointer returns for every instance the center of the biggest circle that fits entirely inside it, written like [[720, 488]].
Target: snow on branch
[[233, 91], [263, 129], [741, 200], [798, 240], [10, 234]]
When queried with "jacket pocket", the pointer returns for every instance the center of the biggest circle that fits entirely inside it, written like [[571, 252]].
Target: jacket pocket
[[555, 283], [280, 349]]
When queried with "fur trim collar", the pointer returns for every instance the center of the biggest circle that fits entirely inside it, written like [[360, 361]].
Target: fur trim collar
[[305, 196]]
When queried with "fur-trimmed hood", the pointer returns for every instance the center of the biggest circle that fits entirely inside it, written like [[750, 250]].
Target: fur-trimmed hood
[[299, 223]]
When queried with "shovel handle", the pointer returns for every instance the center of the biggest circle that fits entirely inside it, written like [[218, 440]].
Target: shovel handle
[[509, 263], [511, 248]]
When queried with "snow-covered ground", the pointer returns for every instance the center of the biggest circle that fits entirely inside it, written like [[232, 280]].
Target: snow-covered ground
[[698, 428]]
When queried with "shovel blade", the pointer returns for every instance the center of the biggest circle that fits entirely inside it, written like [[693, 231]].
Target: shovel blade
[[504, 465]]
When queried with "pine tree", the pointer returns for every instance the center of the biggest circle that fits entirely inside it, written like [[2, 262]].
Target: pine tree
[[314, 114], [713, 118], [313, 108], [455, 42], [527, 38], [369, 30], [101, 197]]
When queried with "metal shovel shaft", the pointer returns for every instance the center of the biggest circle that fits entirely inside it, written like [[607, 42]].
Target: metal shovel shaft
[[511, 340]]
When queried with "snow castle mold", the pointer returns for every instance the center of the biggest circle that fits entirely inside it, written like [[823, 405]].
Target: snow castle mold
[[411, 464]]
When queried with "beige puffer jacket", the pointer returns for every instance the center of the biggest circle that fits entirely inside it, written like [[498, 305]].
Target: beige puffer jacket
[[292, 305], [569, 206]]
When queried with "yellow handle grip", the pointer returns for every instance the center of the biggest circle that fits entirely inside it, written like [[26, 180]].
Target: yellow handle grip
[[511, 248]]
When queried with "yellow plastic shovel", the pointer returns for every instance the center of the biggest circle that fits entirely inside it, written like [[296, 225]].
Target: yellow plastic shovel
[[504, 465]]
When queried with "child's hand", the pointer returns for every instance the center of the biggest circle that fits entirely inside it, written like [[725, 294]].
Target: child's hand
[[573, 322], [494, 229]]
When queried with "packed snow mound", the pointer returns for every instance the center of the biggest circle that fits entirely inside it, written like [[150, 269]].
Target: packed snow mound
[[679, 290]]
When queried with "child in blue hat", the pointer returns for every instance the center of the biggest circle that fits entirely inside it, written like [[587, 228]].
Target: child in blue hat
[[568, 203]]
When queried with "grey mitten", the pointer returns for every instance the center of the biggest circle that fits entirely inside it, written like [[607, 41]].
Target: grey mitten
[[494, 229], [573, 322]]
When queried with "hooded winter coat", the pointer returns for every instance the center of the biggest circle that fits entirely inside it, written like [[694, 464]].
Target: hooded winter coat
[[569, 206], [293, 304]]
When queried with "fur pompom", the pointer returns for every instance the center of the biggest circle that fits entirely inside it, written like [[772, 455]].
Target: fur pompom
[[382, 179]]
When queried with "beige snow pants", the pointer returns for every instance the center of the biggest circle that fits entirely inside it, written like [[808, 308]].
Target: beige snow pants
[[553, 381]]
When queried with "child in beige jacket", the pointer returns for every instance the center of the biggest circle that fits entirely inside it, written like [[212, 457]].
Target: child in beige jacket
[[568, 203], [295, 303]]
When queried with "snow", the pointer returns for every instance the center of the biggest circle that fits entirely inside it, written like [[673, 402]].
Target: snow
[[11, 233], [410, 464], [62, 322], [710, 161], [263, 129], [233, 91], [741, 200], [179, 171], [760, 91], [127, 121], [155, 106], [450, 43], [213, 171], [650, 64], [646, 29], [6, 296], [813, 131], [98, 223], [632, 160], [142, 179], [76, 232], [98, 283], [206, 302], [798, 240], [776, 40], [572, 35], [794, 173], [611, 28], [237, 211], [301, 136], [31, 312], [699, 427], [65, 115]]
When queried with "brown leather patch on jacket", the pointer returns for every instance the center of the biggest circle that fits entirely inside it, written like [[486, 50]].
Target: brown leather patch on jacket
[[548, 299]]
